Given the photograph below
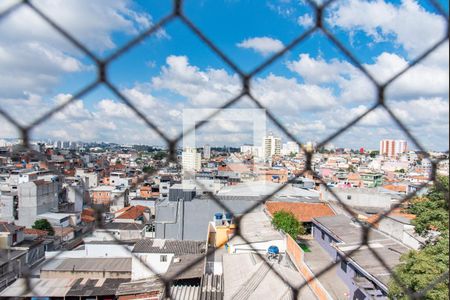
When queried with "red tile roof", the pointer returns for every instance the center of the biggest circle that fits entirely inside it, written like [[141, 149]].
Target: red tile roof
[[304, 212], [133, 212], [37, 232]]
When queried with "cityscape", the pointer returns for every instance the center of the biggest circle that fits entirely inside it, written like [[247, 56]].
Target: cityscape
[[224, 149]]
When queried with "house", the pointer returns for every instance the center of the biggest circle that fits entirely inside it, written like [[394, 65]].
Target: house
[[120, 231], [156, 256], [365, 276], [12, 265], [133, 214], [303, 212], [87, 267]]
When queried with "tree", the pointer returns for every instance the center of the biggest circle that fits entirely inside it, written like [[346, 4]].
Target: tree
[[148, 169], [287, 222], [159, 155], [43, 224], [374, 153], [418, 269], [432, 210]]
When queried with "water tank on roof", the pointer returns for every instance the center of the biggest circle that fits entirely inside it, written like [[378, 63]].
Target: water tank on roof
[[273, 250], [228, 216], [218, 216], [273, 253]]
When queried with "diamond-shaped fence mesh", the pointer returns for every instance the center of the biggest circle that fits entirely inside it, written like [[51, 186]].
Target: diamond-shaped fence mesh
[[177, 13]]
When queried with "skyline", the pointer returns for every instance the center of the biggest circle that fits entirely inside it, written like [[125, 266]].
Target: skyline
[[313, 89]]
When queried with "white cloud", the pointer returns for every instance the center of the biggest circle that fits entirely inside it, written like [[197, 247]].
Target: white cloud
[[409, 24], [262, 45], [35, 60], [305, 20], [429, 78], [213, 86]]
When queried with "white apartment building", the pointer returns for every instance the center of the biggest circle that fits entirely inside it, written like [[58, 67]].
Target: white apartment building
[[207, 152], [290, 147], [271, 145], [191, 160], [393, 148]]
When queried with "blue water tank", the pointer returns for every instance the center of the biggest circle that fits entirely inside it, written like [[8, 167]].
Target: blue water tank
[[218, 216], [228, 216], [273, 250]]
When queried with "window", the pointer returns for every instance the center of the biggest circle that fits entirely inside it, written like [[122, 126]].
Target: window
[[163, 258], [323, 235], [349, 197], [344, 266]]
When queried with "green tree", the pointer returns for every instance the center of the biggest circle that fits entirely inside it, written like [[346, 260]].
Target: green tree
[[43, 224], [374, 153], [159, 155], [148, 169], [432, 210], [287, 222], [417, 269]]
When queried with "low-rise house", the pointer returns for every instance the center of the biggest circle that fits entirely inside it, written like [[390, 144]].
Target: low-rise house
[[155, 256], [303, 212], [87, 267], [12, 264], [365, 276], [133, 214], [120, 231]]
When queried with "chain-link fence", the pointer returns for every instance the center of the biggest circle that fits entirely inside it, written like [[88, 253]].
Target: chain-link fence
[[177, 13]]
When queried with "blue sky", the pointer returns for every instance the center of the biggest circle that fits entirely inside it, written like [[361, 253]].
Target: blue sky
[[313, 89]]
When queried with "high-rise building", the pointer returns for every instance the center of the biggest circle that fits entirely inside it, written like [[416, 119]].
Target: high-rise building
[[271, 146], [191, 160], [207, 152], [290, 147], [393, 148]]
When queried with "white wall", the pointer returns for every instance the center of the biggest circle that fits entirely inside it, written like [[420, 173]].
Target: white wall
[[149, 264]]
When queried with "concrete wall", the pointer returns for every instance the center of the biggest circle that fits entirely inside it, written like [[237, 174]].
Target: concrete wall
[[36, 199], [6, 207], [123, 235], [188, 220], [79, 274], [324, 240], [144, 265], [363, 199], [297, 256]]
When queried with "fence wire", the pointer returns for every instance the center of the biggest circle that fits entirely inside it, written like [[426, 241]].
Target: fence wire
[[177, 13]]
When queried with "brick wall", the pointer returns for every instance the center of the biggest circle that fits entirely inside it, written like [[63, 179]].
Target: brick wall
[[297, 256]]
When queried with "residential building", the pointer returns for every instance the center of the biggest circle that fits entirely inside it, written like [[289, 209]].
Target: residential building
[[207, 152], [393, 148], [271, 146], [191, 160], [35, 198], [365, 276]]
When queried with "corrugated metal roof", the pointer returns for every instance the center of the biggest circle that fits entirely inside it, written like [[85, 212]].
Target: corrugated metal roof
[[170, 246], [41, 288], [184, 292], [90, 264]]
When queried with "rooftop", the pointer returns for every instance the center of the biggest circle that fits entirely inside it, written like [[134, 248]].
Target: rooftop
[[122, 226], [247, 276], [41, 288], [256, 227], [304, 212], [170, 246], [350, 235], [85, 287], [87, 264]]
